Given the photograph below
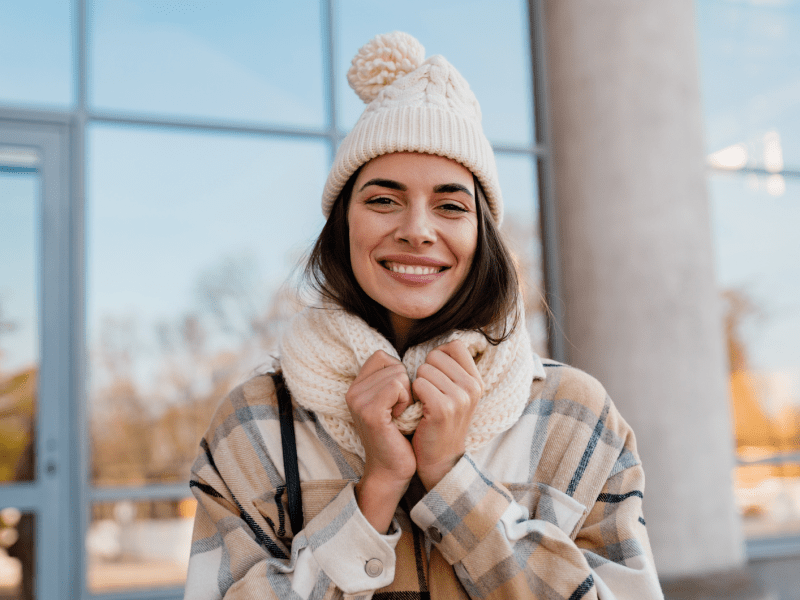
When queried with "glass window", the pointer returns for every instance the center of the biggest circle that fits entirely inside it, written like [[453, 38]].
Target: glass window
[[17, 547], [19, 312], [521, 228], [750, 63], [190, 238], [36, 43], [139, 544], [243, 60], [486, 41], [755, 231]]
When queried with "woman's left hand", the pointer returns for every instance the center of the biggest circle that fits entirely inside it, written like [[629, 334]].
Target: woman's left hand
[[449, 386]]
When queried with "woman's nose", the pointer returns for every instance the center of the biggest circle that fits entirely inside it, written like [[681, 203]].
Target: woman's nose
[[416, 227]]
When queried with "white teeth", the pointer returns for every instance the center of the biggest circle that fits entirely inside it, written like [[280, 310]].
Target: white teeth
[[410, 269]]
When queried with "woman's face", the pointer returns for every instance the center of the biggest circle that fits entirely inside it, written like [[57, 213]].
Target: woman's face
[[413, 232]]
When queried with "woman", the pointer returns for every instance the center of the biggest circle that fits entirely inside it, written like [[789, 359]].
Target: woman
[[438, 455]]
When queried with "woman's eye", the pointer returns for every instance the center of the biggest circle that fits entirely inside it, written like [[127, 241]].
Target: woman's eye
[[380, 201], [452, 207]]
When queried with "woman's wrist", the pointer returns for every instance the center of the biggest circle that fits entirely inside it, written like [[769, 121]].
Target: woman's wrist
[[377, 500], [431, 475]]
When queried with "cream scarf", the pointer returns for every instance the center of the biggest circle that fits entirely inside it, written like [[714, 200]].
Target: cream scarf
[[323, 350]]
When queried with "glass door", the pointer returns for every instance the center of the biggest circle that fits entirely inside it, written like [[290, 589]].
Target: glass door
[[34, 381]]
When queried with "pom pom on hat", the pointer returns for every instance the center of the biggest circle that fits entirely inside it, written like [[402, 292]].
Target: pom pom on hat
[[413, 105], [381, 61]]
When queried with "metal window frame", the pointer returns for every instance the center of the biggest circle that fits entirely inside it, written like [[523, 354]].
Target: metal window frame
[[79, 494], [47, 497], [548, 219]]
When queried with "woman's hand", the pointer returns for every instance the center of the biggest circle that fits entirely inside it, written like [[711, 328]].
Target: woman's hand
[[380, 392], [449, 386]]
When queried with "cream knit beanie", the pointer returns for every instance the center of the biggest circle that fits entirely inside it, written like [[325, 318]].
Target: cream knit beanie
[[413, 105]]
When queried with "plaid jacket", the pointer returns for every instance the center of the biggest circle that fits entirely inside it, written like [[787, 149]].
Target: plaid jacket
[[550, 509]]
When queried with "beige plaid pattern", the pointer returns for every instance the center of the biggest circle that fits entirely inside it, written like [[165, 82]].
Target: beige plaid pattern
[[550, 509]]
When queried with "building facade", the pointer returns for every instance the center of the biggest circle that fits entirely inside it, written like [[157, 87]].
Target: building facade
[[160, 170]]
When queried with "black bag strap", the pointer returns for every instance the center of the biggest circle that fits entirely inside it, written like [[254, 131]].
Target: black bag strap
[[289, 445]]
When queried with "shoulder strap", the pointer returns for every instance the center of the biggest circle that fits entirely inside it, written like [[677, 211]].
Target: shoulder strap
[[291, 471]]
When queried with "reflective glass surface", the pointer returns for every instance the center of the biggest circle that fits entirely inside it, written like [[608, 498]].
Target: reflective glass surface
[[37, 47], [521, 229], [243, 60], [750, 65], [486, 41], [17, 564], [190, 238], [755, 229], [139, 544], [19, 317]]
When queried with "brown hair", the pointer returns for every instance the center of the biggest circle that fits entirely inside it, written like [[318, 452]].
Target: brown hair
[[484, 301]]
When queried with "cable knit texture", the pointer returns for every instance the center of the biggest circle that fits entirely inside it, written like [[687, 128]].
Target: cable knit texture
[[413, 105], [323, 351], [382, 60]]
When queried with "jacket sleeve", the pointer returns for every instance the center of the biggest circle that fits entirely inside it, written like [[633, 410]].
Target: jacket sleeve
[[238, 553], [499, 550]]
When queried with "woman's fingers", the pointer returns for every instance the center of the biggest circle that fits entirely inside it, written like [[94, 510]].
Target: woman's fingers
[[380, 388], [449, 386], [459, 354], [381, 383], [376, 362], [451, 369], [404, 400]]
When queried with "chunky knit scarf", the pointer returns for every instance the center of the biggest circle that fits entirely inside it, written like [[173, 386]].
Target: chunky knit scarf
[[323, 350]]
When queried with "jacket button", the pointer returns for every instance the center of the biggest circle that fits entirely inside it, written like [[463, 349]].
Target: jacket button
[[435, 534], [374, 567]]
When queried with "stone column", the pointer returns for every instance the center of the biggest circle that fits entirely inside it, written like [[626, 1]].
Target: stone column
[[641, 302]]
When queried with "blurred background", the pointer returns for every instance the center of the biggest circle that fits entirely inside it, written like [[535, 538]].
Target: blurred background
[[161, 165]]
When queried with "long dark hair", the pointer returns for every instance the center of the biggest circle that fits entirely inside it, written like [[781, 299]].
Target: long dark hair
[[486, 301]]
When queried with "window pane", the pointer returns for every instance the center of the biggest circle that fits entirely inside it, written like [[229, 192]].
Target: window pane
[[17, 539], [750, 58], [521, 228], [243, 60], [37, 50], [190, 239], [19, 317], [755, 229], [142, 544], [486, 41]]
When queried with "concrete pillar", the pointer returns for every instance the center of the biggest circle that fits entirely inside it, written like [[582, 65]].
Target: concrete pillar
[[641, 302]]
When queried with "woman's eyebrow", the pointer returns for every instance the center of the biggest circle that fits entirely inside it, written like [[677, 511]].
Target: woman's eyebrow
[[387, 183], [450, 188]]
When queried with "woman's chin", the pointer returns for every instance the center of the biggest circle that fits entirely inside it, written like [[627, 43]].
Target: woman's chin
[[403, 318]]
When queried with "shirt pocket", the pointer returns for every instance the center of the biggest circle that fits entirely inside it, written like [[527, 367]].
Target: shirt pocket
[[316, 495], [549, 504]]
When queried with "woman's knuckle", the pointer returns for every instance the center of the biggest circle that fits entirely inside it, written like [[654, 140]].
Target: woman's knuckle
[[434, 355], [350, 397]]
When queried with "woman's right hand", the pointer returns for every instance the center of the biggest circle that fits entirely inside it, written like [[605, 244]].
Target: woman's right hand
[[380, 392]]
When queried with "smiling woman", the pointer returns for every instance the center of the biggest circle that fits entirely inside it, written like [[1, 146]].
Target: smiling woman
[[413, 232], [419, 446], [487, 287]]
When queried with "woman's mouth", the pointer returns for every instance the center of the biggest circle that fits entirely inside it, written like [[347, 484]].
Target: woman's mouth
[[396, 267]]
